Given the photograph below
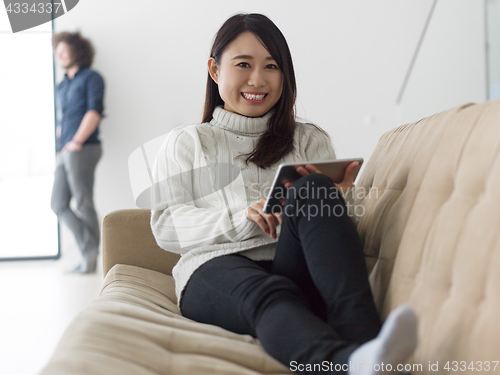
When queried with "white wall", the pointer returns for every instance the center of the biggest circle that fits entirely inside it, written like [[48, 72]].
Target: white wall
[[350, 59], [493, 32], [451, 68]]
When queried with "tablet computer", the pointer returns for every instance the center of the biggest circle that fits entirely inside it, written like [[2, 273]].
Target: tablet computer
[[334, 169]]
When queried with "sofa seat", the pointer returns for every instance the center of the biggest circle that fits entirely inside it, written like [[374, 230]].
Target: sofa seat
[[136, 312]]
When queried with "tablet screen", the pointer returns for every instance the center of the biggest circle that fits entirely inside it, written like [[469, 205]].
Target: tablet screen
[[334, 169]]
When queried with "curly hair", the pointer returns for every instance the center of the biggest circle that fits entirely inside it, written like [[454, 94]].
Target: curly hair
[[81, 48]]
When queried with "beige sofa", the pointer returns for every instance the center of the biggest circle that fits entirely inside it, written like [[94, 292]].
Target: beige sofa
[[431, 233]]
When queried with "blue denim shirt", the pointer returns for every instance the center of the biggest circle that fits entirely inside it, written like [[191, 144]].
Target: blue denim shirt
[[74, 98]]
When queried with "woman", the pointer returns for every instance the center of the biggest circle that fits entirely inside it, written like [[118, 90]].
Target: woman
[[296, 281]]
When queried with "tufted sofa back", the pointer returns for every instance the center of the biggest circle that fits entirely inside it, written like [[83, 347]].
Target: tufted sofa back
[[431, 230]]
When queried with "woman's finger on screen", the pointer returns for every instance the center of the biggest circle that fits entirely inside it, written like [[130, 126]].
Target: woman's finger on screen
[[267, 222]]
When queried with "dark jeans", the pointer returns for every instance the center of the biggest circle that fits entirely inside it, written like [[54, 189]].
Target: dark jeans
[[74, 178], [313, 303]]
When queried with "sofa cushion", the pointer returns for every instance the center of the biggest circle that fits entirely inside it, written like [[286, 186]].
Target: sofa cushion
[[134, 327], [432, 228]]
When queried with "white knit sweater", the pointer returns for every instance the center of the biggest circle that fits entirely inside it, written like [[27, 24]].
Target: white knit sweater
[[203, 188]]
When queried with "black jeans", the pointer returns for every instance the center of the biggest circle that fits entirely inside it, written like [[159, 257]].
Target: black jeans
[[313, 303]]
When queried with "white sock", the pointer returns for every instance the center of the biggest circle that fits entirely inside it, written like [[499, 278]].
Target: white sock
[[396, 341]]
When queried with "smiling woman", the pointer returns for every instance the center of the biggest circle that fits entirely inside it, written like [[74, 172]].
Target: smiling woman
[[28, 227], [250, 81], [295, 280], [263, 66]]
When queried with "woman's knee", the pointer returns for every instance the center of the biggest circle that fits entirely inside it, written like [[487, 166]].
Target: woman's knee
[[318, 179], [314, 194], [313, 186]]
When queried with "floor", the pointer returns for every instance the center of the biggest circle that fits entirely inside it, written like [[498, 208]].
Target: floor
[[38, 301]]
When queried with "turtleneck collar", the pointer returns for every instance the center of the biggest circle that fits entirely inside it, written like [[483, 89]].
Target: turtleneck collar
[[240, 124]]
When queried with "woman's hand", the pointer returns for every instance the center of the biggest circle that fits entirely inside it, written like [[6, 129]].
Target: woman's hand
[[267, 222], [344, 186], [348, 183]]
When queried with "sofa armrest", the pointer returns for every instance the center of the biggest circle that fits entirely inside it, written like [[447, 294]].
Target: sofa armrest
[[127, 239]]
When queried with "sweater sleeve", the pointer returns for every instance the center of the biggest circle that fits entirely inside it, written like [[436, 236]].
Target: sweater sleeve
[[319, 147], [196, 204]]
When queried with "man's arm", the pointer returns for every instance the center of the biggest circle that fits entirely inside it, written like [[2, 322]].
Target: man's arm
[[95, 106], [88, 125]]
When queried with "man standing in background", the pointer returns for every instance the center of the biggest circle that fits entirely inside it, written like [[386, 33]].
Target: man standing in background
[[79, 108]]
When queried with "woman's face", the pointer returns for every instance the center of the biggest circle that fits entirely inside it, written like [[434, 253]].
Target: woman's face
[[249, 79]]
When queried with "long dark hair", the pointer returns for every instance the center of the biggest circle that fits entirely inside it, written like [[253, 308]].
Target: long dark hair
[[277, 141]]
